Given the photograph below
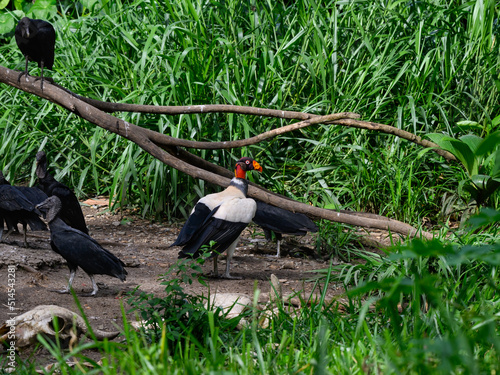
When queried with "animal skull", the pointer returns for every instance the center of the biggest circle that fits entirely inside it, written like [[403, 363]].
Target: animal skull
[[41, 320]]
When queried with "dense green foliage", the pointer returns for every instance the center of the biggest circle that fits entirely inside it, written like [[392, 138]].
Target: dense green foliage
[[428, 308], [426, 67], [420, 66]]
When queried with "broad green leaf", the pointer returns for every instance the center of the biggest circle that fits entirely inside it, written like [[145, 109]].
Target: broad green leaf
[[7, 23], [467, 126], [495, 172], [466, 156], [18, 4], [490, 143], [43, 9], [89, 4], [485, 186], [495, 121], [471, 140], [481, 181], [442, 140], [468, 123], [3, 3]]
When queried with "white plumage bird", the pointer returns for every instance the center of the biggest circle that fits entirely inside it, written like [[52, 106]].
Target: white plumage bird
[[220, 217]]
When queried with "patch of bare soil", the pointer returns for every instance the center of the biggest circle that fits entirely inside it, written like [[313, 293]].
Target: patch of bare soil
[[144, 248]]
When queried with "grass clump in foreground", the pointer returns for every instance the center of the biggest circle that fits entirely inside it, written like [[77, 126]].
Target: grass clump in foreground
[[428, 307]]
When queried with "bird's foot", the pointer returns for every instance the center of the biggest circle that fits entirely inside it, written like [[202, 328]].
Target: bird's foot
[[25, 73], [60, 291], [41, 84], [229, 277], [277, 256], [91, 294], [45, 79]]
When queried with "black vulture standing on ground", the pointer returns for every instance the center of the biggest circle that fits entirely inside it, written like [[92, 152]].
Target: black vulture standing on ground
[[36, 39], [16, 207], [281, 221], [220, 217], [78, 248], [71, 211]]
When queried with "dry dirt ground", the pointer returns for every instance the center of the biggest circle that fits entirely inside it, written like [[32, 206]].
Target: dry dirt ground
[[144, 248]]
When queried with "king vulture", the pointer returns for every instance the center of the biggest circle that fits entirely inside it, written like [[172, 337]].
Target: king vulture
[[220, 217], [78, 248], [281, 221]]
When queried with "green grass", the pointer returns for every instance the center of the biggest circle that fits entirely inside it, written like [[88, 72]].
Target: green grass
[[429, 307], [425, 67]]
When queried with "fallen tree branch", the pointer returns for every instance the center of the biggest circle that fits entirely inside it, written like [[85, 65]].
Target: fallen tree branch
[[150, 141], [398, 132], [348, 120]]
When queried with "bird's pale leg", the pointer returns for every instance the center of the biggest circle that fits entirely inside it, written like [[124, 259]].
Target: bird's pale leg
[[278, 250], [94, 288], [25, 230], [70, 282], [230, 252], [25, 71]]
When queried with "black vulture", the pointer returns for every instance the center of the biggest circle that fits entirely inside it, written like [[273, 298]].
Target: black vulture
[[78, 248], [34, 194], [16, 208], [36, 39], [281, 221], [220, 217], [71, 211]]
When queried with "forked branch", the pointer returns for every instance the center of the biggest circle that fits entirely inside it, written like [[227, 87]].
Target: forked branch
[[166, 148]]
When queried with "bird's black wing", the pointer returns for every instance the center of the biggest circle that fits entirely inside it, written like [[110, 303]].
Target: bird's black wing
[[17, 208], [194, 223], [280, 220], [33, 194], [71, 211], [82, 250], [12, 199], [47, 38], [222, 232]]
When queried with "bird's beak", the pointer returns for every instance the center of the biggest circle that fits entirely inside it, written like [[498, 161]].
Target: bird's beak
[[26, 32], [256, 166]]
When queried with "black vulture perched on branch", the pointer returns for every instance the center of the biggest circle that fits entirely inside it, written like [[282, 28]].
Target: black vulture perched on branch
[[281, 221], [36, 39], [220, 217], [78, 248], [17, 207], [71, 211]]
